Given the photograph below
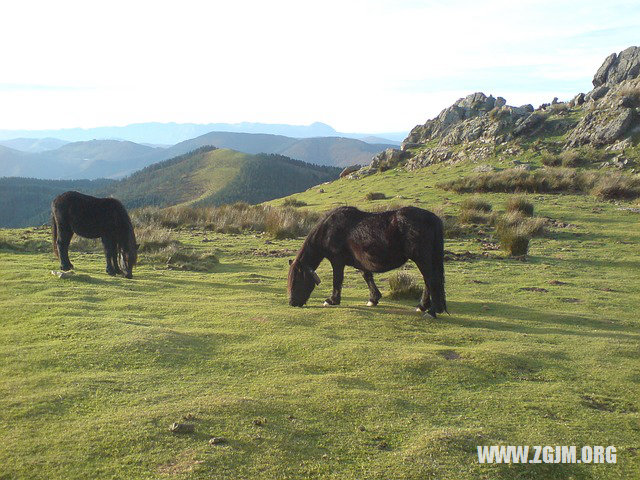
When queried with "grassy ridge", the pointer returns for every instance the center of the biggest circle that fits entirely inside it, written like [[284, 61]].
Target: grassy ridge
[[543, 352]]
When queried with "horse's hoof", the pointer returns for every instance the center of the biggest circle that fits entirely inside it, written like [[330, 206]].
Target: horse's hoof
[[431, 313], [418, 309], [326, 304], [371, 304]]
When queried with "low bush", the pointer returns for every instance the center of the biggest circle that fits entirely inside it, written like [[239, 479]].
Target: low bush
[[616, 186], [375, 196], [404, 285], [549, 180], [294, 202], [514, 240], [630, 95], [475, 203], [280, 222], [550, 159], [532, 226], [520, 204], [153, 237]]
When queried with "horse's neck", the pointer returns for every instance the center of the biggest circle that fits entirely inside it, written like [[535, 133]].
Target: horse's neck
[[309, 255]]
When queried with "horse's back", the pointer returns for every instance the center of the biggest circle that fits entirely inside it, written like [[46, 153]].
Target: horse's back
[[89, 216]]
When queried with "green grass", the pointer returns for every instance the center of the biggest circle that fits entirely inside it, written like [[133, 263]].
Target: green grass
[[95, 369]]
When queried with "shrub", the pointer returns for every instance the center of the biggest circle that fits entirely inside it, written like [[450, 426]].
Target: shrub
[[451, 225], [630, 95], [475, 203], [375, 196], [616, 186], [520, 204], [153, 237], [550, 159], [473, 216], [474, 210], [294, 202], [532, 226], [514, 240], [571, 158], [404, 285], [281, 222], [547, 180]]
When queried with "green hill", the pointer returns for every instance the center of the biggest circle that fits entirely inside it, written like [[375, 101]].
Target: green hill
[[210, 176]]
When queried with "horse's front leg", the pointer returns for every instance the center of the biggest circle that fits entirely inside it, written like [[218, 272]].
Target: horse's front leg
[[338, 277], [374, 293], [63, 241]]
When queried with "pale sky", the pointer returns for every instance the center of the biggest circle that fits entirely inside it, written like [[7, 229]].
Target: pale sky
[[360, 66]]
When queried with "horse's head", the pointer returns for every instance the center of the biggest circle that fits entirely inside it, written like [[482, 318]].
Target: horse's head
[[302, 280]]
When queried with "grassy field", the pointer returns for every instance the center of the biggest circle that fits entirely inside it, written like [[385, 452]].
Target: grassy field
[[95, 369]]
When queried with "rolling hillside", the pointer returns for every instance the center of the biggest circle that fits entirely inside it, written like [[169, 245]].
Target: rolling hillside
[[210, 176]]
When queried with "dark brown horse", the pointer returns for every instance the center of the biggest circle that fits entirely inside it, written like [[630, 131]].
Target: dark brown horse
[[92, 217], [372, 243]]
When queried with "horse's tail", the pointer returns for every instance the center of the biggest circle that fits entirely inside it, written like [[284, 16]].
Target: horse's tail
[[438, 295], [54, 234]]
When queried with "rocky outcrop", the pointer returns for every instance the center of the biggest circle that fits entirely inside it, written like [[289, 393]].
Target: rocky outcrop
[[349, 170], [468, 119], [618, 68], [611, 118], [478, 126]]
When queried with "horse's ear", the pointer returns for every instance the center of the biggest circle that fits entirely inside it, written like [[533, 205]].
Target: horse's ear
[[290, 261]]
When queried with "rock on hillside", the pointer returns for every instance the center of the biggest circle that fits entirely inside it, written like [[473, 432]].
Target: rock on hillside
[[608, 116]]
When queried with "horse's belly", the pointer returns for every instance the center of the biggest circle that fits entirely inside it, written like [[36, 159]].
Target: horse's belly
[[378, 264]]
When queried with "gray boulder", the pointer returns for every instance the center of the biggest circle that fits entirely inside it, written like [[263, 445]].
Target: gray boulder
[[618, 67]]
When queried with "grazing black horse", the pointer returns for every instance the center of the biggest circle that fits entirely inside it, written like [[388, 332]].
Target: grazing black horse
[[372, 242], [91, 217]]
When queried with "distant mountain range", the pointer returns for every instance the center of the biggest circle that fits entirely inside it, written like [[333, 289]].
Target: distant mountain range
[[171, 133], [116, 158], [33, 145], [206, 176]]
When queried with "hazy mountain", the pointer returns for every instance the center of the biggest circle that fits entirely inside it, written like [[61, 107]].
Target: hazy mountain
[[334, 151], [117, 158], [171, 133], [90, 160], [210, 176], [33, 145]]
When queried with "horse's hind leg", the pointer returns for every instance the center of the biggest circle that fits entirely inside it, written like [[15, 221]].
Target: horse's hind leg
[[62, 242], [374, 293], [111, 256], [425, 300]]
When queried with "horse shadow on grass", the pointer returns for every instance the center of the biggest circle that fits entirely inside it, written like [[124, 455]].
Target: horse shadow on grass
[[520, 318]]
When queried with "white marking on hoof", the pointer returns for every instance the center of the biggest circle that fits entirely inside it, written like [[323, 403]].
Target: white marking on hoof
[[327, 304], [418, 310], [370, 304]]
